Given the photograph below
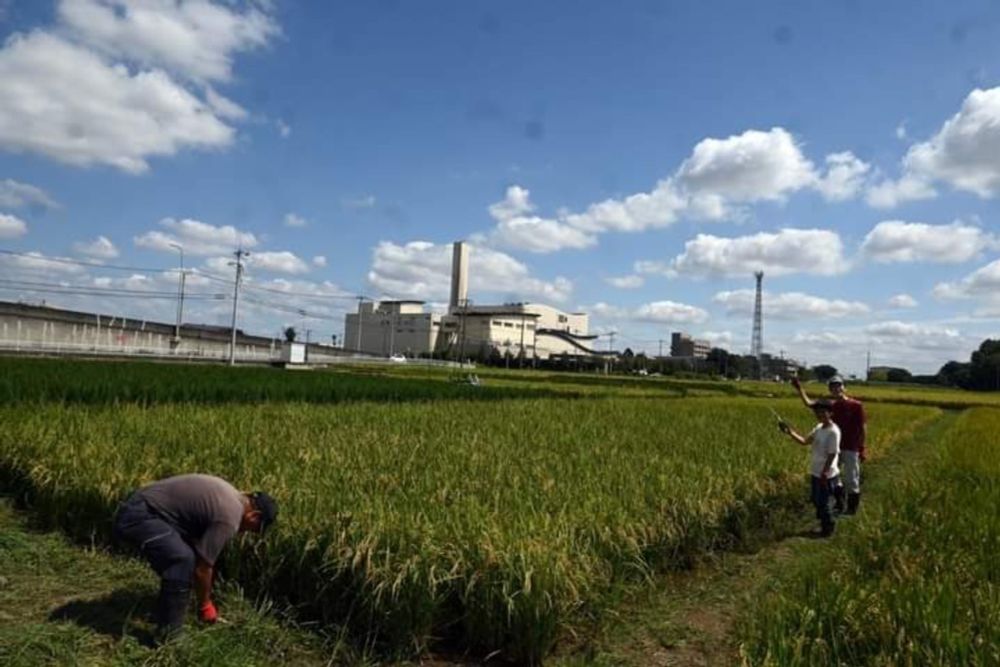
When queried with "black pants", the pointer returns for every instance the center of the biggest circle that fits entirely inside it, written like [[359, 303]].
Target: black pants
[[821, 494], [157, 541]]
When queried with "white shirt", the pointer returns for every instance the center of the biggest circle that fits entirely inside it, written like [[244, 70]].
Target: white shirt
[[826, 441]]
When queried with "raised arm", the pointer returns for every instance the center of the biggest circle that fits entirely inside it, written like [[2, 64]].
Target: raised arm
[[802, 392]]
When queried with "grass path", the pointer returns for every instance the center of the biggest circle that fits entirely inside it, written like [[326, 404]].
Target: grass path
[[689, 618], [61, 604]]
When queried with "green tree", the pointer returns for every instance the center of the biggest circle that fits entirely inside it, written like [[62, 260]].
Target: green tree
[[824, 372], [898, 375]]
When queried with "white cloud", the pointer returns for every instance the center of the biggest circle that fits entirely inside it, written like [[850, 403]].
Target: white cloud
[[659, 208], [901, 131], [748, 167], [983, 282], [99, 248], [716, 182], [661, 312], [720, 177], [268, 261], [422, 270], [223, 106], [844, 178], [193, 38], [516, 202], [670, 312], [284, 129], [789, 305], [197, 238], [653, 267], [277, 261], [365, 201], [319, 260], [902, 301], [916, 336], [889, 193], [293, 220], [786, 251], [516, 229], [11, 226], [64, 102], [626, 282], [18, 195], [718, 338], [900, 241], [963, 154]]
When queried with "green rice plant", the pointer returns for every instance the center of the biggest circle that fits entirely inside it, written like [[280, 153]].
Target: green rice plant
[[918, 583], [489, 525], [95, 382]]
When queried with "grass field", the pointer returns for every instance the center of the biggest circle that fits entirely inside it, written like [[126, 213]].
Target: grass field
[[420, 518]]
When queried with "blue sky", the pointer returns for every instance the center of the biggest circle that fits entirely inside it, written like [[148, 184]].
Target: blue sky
[[635, 160]]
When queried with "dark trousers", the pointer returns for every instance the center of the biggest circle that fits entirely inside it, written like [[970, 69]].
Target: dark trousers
[[162, 546], [157, 541], [821, 495]]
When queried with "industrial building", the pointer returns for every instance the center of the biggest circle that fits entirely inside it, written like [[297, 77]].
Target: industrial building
[[684, 346], [531, 330]]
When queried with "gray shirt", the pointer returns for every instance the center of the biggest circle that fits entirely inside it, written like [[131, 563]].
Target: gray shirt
[[205, 510]]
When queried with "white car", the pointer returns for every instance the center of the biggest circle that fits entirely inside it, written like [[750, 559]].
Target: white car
[[398, 358]]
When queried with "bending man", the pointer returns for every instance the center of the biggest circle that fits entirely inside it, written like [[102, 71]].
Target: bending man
[[180, 525], [849, 416]]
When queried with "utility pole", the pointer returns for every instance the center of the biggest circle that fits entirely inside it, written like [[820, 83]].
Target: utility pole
[[868, 366], [660, 341], [180, 293], [308, 335], [239, 254]]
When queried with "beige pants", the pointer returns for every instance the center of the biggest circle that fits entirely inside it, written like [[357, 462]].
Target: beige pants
[[850, 471]]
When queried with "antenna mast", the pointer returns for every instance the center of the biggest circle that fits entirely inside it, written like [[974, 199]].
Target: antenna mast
[[757, 340]]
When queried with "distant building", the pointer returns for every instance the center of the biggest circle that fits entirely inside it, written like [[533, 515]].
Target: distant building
[[684, 346], [531, 329]]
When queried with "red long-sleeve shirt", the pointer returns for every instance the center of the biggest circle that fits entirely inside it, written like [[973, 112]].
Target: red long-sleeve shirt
[[849, 416]]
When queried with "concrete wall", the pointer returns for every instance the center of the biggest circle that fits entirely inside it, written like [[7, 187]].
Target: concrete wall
[[50, 331]]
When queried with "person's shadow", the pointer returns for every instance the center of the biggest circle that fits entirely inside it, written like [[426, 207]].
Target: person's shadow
[[122, 612]]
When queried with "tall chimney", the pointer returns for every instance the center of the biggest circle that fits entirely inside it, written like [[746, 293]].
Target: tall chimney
[[459, 276]]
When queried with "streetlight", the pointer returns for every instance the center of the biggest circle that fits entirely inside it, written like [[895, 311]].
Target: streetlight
[[180, 293]]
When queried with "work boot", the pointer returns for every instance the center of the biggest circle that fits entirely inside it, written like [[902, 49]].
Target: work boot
[[826, 529], [171, 607], [838, 499], [853, 500]]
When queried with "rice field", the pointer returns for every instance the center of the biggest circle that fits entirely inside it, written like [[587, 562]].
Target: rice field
[[489, 525], [915, 584]]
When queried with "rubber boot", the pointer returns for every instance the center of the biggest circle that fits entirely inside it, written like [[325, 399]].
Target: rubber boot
[[171, 608], [853, 501], [838, 500]]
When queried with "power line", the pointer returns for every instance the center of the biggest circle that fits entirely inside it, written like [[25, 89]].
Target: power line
[[80, 262]]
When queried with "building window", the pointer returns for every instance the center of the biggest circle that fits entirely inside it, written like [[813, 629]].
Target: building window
[[508, 324], [563, 318]]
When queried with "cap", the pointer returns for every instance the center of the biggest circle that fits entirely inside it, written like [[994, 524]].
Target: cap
[[268, 509], [836, 379]]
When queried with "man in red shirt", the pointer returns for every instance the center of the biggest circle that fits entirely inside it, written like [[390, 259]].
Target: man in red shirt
[[849, 416]]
